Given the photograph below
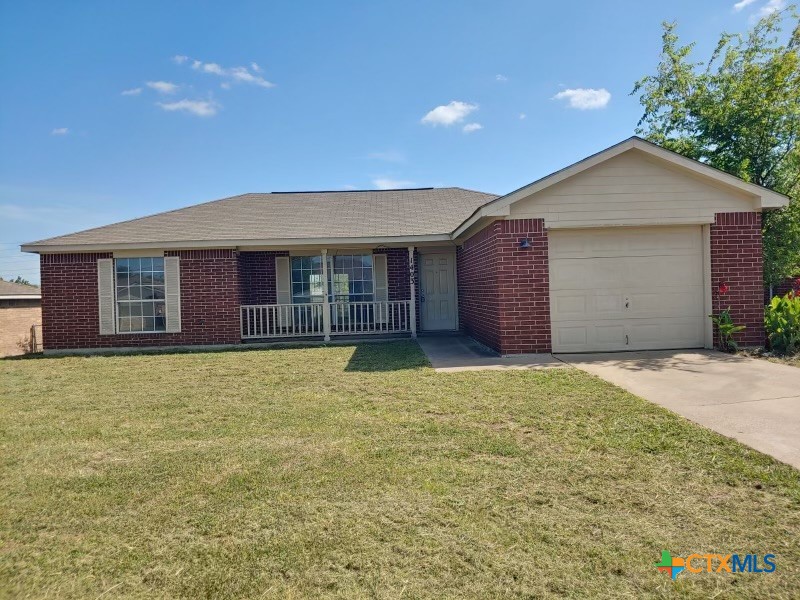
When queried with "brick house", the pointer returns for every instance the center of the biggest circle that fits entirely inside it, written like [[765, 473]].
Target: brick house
[[624, 250], [20, 309]]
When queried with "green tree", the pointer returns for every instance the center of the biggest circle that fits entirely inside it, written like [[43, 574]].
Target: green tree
[[739, 112], [19, 279]]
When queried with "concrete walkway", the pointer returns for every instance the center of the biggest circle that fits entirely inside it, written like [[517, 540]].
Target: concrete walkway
[[753, 401], [451, 353]]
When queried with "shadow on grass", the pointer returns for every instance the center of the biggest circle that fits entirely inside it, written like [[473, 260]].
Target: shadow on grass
[[375, 355], [396, 356]]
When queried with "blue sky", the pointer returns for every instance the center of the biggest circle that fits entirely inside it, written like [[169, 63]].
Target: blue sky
[[113, 110]]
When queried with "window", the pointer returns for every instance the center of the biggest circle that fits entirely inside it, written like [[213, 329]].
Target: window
[[306, 279], [141, 307], [349, 278], [352, 278]]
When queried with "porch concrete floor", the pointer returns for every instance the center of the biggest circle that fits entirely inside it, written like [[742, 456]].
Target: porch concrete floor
[[452, 353]]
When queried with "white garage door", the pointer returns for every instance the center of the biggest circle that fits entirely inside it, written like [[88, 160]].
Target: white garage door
[[626, 288]]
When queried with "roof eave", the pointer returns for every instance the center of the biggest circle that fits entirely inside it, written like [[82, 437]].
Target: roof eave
[[38, 248], [20, 296]]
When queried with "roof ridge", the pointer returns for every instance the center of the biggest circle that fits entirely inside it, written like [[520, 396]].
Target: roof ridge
[[458, 187], [357, 191]]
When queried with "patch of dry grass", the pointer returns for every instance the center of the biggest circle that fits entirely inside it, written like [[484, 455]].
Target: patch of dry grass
[[357, 471], [791, 360]]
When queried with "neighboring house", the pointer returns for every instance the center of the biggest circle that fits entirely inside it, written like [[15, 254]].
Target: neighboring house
[[20, 309], [624, 250], [784, 287]]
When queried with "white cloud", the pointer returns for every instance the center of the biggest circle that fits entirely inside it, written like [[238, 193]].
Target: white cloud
[[212, 68], [388, 156], [201, 108], [225, 85], [585, 98], [385, 183], [132, 92], [771, 7], [163, 87], [522, 116], [448, 114], [245, 76], [470, 127], [501, 78], [234, 74], [179, 59], [60, 131], [743, 4]]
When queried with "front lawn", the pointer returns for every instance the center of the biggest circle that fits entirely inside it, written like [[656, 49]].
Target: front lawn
[[357, 471]]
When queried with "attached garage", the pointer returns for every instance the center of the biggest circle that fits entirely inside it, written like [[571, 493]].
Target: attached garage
[[636, 288], [628, 249]]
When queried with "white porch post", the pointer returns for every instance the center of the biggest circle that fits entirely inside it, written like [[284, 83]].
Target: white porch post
[[411, 277], [326, 305]]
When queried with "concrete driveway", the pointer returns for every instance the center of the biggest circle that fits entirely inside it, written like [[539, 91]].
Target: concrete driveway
[[457, 352], [753, 401]]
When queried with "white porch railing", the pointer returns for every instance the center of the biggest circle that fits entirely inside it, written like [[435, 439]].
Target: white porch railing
[[306, 320]]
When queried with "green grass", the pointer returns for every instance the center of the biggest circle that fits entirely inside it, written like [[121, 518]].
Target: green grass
[[357, 471]]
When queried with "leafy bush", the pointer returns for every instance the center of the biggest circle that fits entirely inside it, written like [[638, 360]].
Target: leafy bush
[[782, 322], [726, 328]]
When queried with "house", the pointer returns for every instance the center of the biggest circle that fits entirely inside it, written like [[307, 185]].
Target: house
[[20, 310], [625, 250]]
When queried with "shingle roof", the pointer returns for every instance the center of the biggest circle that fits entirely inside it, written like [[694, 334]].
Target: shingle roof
[[9, 288], [294, 215]]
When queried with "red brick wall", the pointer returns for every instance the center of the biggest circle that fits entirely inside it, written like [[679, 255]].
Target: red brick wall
[[213, 285], [524, 287], [737, 261], [504, 293], [209, 302], [257, 277], [478, 301]]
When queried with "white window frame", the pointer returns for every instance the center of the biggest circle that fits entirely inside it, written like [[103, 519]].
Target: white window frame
[[332, 296], [153, 301]]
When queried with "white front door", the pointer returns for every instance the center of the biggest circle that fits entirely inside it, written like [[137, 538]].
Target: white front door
[[627, 288], [438, 291]]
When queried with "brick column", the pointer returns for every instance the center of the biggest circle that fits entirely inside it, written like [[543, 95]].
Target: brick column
[[737, 261], [524, 287], [504, 289]]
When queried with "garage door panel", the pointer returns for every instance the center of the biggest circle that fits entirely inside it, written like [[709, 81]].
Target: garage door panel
[[627, 289], [617, 242], [570, 305], [669, 270], [583, 273], [638, 334], [667, 302], [666, 333]]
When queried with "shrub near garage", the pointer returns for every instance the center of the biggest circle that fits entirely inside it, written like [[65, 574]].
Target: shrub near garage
[[782, 322]]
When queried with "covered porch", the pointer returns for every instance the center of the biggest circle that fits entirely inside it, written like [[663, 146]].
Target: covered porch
[[326, 292]]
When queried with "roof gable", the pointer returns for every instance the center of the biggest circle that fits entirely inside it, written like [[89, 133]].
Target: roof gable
[[682, 168]]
